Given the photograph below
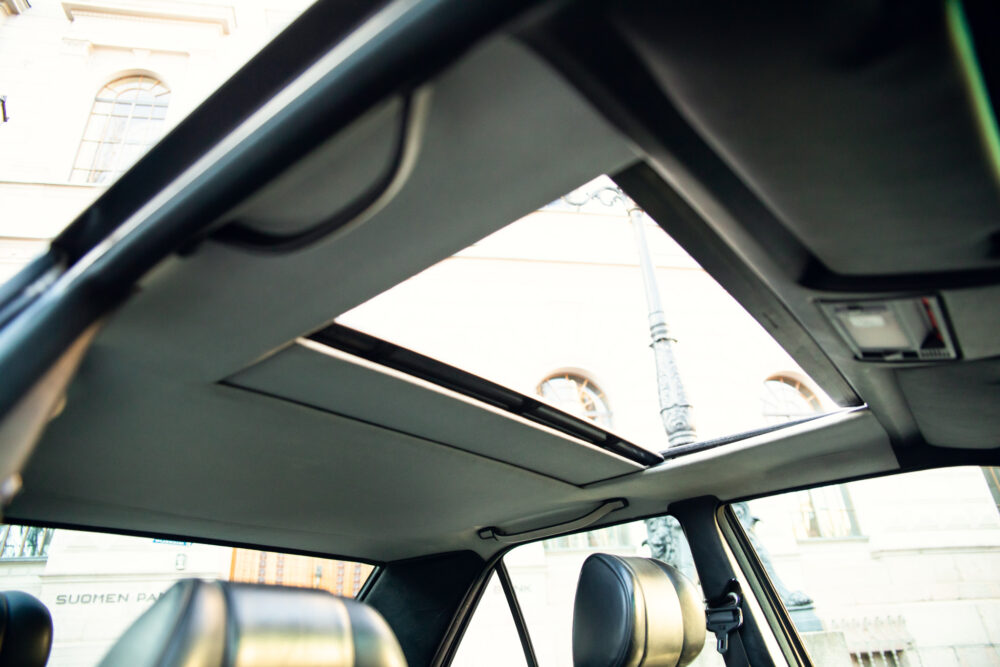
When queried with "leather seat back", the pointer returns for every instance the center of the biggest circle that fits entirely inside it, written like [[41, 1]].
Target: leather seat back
[[25, 630], [216, 624], [635, 612]]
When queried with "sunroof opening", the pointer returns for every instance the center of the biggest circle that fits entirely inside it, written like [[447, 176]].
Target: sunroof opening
[[598, 312]]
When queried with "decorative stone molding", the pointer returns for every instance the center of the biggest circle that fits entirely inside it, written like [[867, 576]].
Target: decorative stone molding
[[175, 12]]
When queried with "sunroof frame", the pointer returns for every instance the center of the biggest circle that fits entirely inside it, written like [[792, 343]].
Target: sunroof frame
[[399, 358]]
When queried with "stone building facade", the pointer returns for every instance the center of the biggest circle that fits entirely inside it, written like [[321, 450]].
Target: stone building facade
[[57, 61]]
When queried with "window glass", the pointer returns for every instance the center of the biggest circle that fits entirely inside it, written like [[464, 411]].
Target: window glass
[[612, 538], [826, 512], [491, 637], [21, 542], [898, 570], [96, 584], [577, 395], [545, 575], [127, 118], [786, 398]]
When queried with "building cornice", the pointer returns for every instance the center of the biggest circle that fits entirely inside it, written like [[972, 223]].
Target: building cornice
[[216, 15]]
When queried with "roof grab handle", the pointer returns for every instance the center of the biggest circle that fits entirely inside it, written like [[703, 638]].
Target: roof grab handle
[[605, 508]]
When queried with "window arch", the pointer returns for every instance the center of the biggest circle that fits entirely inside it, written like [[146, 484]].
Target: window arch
[[127, 117], [785, 398], [578, 395]]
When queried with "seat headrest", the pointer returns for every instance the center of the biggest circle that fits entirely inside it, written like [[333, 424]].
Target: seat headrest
[[211, 623], [635, 612], [25, 630]]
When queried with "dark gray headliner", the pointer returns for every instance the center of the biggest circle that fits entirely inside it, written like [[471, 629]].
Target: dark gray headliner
[[151, 441]]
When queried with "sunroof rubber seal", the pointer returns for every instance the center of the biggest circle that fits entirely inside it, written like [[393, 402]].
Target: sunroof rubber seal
[[413, 363]]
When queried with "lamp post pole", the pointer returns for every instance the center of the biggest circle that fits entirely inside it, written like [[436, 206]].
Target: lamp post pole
[[663, 533], [675, 410]]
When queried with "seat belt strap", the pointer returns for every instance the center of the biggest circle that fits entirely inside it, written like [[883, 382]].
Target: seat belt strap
[[724, 618]]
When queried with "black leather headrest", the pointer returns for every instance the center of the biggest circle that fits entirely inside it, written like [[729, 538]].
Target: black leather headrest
[[635, 612], [25, 630], [210, 623]]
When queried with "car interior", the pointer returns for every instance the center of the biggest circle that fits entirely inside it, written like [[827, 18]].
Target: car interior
[[171, 366]]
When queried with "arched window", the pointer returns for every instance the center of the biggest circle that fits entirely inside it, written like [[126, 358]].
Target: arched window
[[126, 119], [576, 395], [785, 399]]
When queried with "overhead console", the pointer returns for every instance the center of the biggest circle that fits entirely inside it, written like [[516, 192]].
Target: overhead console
[[903, 329]]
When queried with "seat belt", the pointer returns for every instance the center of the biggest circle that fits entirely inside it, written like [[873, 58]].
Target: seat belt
[[715, 569], [724, 618]]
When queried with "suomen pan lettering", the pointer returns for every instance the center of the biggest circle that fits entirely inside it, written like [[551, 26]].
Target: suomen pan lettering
[[104, 598]]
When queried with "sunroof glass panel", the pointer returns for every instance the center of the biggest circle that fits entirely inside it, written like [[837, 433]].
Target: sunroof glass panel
[[555, 306]]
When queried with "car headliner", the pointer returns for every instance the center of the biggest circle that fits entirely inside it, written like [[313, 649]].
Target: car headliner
[[198, 411]]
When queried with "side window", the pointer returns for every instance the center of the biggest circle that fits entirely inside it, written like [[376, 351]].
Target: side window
[[897, 570], [96, 584], [826, 512], [491, 637], [545, 574]]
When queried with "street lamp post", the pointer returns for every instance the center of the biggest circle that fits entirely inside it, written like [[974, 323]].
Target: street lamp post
[[664, 533], [675, 410]]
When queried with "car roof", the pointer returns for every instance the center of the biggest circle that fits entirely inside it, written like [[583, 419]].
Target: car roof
[[798, 156]]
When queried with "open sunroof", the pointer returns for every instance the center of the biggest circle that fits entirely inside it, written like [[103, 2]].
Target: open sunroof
[[533, 409], [556, 306]]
